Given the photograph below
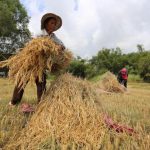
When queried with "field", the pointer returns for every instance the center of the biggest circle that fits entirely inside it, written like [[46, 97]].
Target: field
[[131, 109]]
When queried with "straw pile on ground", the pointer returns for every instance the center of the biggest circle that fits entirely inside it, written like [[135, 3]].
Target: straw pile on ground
[[37, 56], [111, 84], [67, 118]]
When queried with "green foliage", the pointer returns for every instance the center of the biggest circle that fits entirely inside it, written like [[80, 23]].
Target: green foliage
[[78, 67], [13, 25], [144, 66], [140, 48], [134, 78], [137, 64], [108, 59]]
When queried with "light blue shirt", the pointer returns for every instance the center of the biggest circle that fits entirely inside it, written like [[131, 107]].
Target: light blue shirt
[[56, 39]]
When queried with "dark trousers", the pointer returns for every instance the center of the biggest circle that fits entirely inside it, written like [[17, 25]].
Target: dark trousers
[[18, 92], [124, 82]]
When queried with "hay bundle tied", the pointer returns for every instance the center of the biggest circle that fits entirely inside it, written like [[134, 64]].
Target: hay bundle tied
[[38, 55], [111, 84], [66, 118]]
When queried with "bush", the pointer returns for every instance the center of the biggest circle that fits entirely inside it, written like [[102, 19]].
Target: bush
[[144, 67]]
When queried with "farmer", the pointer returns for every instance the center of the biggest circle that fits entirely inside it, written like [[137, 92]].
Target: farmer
[[50, 23], [123, 76]]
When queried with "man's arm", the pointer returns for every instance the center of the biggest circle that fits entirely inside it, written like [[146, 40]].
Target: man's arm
[[58, 41]]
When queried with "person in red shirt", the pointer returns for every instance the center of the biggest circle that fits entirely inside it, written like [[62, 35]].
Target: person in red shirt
[[123, 76]]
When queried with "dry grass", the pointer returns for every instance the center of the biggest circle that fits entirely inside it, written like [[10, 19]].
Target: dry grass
[[37, 56], [131, 108], [68, 115], [110, 84]]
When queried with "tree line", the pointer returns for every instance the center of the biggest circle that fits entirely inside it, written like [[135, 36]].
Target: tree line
[[113, 60]]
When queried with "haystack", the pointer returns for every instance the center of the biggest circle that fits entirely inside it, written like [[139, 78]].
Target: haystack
[[111, 84], [66, 118], [38, 55]]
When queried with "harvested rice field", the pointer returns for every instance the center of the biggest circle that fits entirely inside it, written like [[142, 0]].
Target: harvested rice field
[[71, 116]]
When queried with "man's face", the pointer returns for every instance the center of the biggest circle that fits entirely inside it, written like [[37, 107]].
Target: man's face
[[50, 26]]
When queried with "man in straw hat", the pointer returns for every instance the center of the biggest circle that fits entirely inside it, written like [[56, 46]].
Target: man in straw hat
[[50, 23]]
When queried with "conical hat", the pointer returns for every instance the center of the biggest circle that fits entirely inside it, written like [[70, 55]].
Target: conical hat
[[51, 15]]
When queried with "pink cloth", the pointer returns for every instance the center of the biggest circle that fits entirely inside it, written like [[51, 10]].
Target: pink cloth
[[26, 108], [118, 128]]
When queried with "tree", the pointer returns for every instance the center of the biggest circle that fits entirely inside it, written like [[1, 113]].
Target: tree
[[144, 66], [107, 59], [78, 67], [13, 25], [140, 48]]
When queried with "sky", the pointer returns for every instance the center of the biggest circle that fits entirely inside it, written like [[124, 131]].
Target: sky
[[90, 25]]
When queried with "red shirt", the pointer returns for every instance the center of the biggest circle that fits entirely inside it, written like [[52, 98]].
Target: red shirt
[[124, 73]]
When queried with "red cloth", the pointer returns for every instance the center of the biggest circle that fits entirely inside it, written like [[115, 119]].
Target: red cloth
[[118, 128], [26, 108]]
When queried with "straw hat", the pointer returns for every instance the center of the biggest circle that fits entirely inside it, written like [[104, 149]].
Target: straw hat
[[51, 15]]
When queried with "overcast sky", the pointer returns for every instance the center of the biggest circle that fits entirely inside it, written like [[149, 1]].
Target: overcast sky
[[89, 25]]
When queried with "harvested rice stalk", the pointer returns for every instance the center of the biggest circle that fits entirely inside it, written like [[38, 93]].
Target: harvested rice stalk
[[37, 56], [67, 118], [111, 84]]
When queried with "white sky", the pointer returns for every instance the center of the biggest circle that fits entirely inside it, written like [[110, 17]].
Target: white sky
[[89, 25]]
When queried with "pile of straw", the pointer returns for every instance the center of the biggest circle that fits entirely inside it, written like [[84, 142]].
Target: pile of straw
[[66, 118], [111, 84], [37, 56]]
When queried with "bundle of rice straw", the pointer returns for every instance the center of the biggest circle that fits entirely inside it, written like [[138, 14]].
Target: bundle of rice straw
[[38, 55], [111, 84], [67, 118]]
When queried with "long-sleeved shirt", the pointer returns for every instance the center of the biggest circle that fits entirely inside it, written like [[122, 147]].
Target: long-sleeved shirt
[[56, 39]]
